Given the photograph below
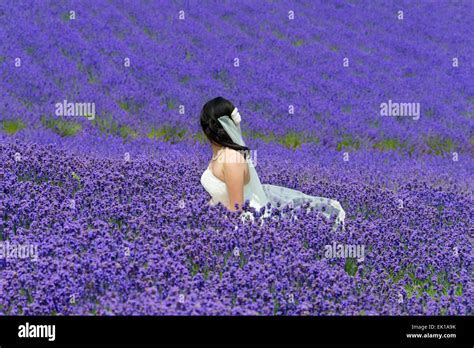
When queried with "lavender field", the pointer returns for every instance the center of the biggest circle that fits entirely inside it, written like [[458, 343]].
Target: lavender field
[[368, 102]]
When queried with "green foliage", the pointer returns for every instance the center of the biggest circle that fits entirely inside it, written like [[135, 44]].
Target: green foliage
[[130, 106], [418, 286], [106, 124], [351, 266], [297, 43], [109, 126], [12, 126], [77, 178], [124, 105], [348, 142], [291, 140], [65, 16], [62, 127], [170, 104], [168, 133], [438, 145], [126, 132], [294, 140], [388, 144], [200, 137]]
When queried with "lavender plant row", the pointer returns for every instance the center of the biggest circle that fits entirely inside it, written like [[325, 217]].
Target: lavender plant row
[[126, 247], [177, 62], [110, 208]]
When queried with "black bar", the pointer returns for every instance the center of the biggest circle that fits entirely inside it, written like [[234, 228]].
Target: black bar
[[242, 330]]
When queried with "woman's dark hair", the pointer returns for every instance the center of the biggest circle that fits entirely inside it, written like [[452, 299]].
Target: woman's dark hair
[[212, 128]]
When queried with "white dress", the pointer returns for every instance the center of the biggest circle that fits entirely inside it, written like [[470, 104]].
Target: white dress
[[275, 194], [266, 195], [218, 189]]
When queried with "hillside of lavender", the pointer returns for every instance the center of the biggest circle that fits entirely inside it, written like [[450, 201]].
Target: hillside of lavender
[[103, 213]]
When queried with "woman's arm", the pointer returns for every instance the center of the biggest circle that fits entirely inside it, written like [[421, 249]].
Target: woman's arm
[[234, 175]]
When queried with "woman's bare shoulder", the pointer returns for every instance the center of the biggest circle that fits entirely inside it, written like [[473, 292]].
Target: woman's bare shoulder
[[233, 156]]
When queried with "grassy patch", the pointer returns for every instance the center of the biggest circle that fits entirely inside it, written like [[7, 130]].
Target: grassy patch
[[108, 126], [77, 179], [267, 137], [291, 140], [297, 43], [200, 137], [418, 286], [388, 144], [392, 144], [126, 132], [168, 133], [351, 266], [170, 104], [62, 127], [348, 142], [124, 105], [65, 16], [439, 146], [294, 140], [12, 126], [129, 106]]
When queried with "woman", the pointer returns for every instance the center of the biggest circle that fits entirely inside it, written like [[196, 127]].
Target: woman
[[231, 178]]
